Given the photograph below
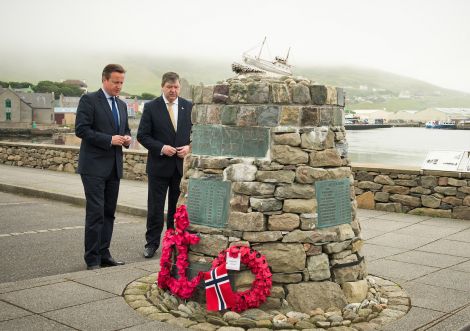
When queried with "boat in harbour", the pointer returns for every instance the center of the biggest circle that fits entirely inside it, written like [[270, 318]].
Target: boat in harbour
[[441, 125], [256, 64]]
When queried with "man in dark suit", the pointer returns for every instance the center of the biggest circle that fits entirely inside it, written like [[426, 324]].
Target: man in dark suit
[[102, 125], [164, 129]]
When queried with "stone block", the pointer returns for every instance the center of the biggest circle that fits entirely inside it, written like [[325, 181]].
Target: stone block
[[291, 139], [310, 237], [366, 200], [207, 94], [381, 196], [308, 296], [308, 221], [318, 267], [210, 244], [221, 92], [268, 115], [197, 94], [301, 94], [284, 258], [341, 96], [428, 181], [318, 94], [310, 116], [264, 205], [300, 206], [328, 158], [394, 207], [319, 138], [257, 93], [430, 201], [237, 93], [285, 154], [327, 115], [283, 222], [279, 176], [287, 278], [446, 190], [461, 212], [247, 116], [355, 292], [384, 180], [396, 189], [262, 236], [213, 113], [253, 188], [331, 96], [228, 114], [246, 221], [431, 212], [308, 175], [240, 172], [290, 115], [295, 191], [279, 93], [406, 200]]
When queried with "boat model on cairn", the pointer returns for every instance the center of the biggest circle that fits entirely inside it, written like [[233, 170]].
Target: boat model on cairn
[[255, 64]]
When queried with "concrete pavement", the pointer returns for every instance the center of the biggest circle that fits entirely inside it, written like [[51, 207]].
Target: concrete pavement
[[428, 257]]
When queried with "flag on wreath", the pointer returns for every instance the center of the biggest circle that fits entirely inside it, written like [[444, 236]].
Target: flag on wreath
[[219, 294]]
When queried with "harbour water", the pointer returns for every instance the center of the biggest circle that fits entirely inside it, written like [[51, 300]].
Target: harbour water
[[403, 146], [390, 146]]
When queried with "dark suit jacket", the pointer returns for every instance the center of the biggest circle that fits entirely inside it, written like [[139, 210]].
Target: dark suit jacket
[[95, 126], [156, 130]]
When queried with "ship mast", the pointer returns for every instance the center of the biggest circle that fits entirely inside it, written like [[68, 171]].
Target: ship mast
[[261, 49], [288, 51]]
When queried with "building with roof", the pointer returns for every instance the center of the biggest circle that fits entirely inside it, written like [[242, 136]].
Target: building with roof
[[77, 82], [20, 110], [65, 115]]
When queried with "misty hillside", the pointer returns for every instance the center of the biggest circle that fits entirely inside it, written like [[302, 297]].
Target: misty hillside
[[366, 88]]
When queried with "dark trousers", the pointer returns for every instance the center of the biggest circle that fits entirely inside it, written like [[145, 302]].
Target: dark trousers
[[157, 189], [101, 199]]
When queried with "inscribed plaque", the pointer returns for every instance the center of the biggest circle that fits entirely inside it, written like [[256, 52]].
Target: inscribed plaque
[[334, 203], [217, 140], [208, 202]]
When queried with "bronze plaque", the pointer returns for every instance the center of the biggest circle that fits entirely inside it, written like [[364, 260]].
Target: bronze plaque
[[334, 203], [218, 140], [208, 202]]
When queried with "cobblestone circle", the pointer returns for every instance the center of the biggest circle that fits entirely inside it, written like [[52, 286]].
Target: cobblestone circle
[[385, 303]]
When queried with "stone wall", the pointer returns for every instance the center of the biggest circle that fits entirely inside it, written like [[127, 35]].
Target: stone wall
[[413, 191], [63, 158]]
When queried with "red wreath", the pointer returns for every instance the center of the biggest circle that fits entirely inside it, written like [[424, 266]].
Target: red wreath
[[261, 286], [181, 287]]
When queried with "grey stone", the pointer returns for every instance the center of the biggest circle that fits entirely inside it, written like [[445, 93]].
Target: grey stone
[[228, 114], [268, 115], [395, 189], [290, 115], [283, 222], [446, 190], [428, 181], [257, 93], [253, 188], [263, 205], [291, 139], [430, 201], [238, 93], [318, 94], [406, 200], [301, 94], [308, 175], [328, 157], [247, 221], [384, 179], [279, 93], [302, 237], [295, 191], [210, 244], [285, 154], [282, 257], [280, 176], [381, 196], [319, 138], [300, 206], [310, 116], [240, 172], [318, 267], [262, 236], [305, 297]]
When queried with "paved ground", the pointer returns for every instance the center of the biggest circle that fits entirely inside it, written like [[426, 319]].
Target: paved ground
[[40, 237], [428, 257]]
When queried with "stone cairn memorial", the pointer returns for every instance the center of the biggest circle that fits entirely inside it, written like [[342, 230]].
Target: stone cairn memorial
[[269, 170]]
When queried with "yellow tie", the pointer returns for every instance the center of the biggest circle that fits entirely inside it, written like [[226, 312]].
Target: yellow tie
[[172, 115]]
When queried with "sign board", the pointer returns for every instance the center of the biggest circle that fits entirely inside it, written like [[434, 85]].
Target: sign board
[[219, 140], [208, 202], [447, 161], [334, 202]]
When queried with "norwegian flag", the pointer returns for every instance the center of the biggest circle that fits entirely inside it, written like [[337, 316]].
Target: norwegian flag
[[219, 293]]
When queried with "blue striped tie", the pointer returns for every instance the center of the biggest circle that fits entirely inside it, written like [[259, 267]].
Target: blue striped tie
[[115, 113]]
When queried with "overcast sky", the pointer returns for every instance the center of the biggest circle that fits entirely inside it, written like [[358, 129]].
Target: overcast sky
[[424, 39]]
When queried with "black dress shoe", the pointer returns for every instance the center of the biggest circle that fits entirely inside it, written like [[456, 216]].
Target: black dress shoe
[[150, 251], [110, 262], [93, 267]]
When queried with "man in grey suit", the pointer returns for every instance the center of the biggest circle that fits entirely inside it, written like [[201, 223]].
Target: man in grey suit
[[102, 125]]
